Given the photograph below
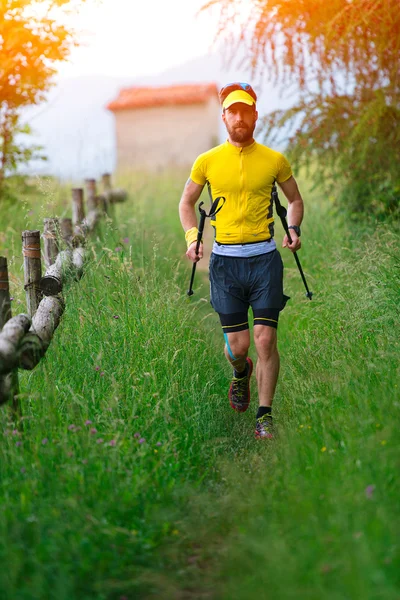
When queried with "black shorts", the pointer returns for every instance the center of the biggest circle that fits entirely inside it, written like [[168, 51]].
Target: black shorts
[[238, 283]]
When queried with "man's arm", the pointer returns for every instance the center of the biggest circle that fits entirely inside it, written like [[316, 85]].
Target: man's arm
[[295, 211], [187, 214]]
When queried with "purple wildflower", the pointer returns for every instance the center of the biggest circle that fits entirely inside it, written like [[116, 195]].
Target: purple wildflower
[[18, 444], [44, 441], [158, 444], [369, 491], [115, 316], [126, 240], [71, 427], [15, 432], [93, 430], [11, 298], [88, 422], [137, 435], [142, 440], [97, 368], [99, 441], [118, 249], [102, 374], [113, 443]]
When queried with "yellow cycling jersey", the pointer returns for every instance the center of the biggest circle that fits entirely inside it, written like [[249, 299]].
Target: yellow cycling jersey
[[244, 176]]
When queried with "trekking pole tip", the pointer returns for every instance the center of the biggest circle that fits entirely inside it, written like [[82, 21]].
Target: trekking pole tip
[[309, 295]]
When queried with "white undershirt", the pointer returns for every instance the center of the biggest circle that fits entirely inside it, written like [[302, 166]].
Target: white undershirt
[[244, 250]]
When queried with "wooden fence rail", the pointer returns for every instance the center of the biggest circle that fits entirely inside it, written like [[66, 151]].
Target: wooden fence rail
[[25, 338]]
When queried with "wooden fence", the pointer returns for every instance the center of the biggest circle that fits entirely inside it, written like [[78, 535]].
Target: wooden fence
[[25, 338]]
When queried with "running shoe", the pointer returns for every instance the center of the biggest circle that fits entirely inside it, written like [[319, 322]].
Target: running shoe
[[239, 391], [264, 428]]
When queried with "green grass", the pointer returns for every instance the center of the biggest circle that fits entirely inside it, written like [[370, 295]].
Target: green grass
[[200, 509]]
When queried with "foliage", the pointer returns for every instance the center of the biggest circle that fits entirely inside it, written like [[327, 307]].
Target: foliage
[[356, 144], [14, 151], [343, 56], [33, 39]]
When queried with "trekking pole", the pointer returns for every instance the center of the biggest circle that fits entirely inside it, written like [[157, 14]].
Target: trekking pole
[[282, 212], [203, 216]]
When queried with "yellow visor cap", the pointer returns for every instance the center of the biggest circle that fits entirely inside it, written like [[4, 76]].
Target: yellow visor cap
[[238, 96]]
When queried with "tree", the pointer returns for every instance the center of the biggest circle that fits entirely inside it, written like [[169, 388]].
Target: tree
[[32, 40], [344, 58]]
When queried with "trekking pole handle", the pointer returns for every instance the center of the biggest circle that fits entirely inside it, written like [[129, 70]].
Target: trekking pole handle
[[200, 230], [282, 212], [203, 215]]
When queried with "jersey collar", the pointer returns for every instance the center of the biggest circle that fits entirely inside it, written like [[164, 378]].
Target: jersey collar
[[242, 150]]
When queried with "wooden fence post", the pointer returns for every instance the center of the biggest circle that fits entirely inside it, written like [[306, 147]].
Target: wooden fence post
[[5, 303], [106, 197], [66, 231], [103, 204], [106, 181], [32, 269], [78, 210], [78, 217], [113, 196], [9, 385], [91, 195], [50, 240]]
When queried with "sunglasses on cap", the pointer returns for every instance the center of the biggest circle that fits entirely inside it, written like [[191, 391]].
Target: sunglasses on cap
[[236, 85]]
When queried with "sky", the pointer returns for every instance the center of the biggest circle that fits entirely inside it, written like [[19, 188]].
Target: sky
[[139, 37]]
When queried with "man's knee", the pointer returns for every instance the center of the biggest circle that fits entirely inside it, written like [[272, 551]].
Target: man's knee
[[237, 343], [265, 339]]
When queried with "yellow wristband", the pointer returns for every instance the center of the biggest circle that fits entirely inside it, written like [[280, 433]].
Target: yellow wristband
[[191, 236]]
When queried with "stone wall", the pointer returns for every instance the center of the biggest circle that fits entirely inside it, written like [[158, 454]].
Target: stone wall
[[157, 137]]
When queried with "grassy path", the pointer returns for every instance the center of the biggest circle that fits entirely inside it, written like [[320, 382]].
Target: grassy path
[[315, 515], [132, 477]]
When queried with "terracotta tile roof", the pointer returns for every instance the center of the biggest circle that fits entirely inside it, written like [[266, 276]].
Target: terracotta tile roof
[[146, 97]]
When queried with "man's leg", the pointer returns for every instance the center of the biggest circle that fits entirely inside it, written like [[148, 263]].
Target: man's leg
[[228, 298], [236, 348], [267, 371], [267, 368]]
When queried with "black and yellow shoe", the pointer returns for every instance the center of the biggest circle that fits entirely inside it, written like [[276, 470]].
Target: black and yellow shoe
[[239, 391]]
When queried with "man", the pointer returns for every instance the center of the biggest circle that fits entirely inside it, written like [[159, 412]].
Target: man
[[245, 267]]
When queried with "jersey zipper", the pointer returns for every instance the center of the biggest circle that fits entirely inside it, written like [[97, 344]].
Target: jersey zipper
[[241, 193]]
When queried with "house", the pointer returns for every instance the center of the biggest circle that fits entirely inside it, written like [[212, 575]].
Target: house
[[161, 127]]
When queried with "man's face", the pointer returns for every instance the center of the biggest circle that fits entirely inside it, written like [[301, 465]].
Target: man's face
[[240, 121]]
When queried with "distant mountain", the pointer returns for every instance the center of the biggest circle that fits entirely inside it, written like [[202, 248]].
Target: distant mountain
[[77, 132]]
